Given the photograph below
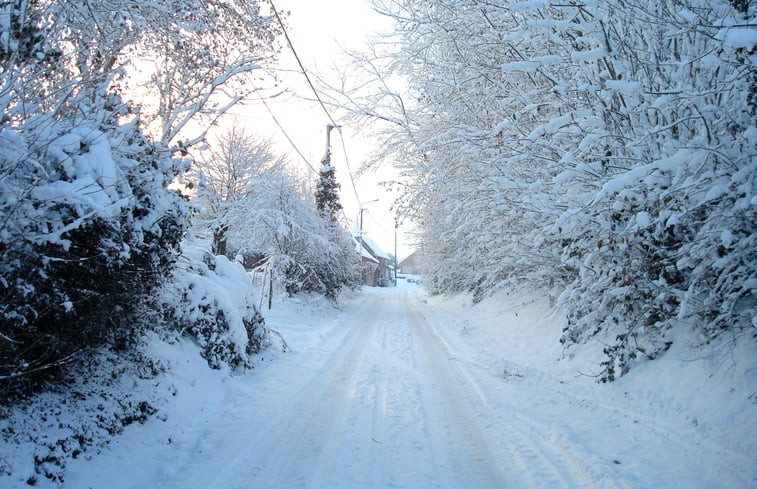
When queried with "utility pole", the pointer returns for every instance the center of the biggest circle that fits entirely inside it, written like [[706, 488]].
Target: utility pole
[[327, 157], [361, 213], [396, 261]]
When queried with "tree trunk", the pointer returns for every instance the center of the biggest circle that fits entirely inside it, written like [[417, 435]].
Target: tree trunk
[[219, 240]]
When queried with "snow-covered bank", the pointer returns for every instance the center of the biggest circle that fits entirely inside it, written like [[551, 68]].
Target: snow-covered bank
[[58, 438], [715, 392], [393, 388], [694, 399]]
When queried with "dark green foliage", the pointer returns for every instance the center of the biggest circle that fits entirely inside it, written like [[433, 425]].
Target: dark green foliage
[[327, 193], [25, 37], [75, 277]]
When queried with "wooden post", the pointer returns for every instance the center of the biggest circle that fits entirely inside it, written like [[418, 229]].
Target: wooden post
[[270, 291]]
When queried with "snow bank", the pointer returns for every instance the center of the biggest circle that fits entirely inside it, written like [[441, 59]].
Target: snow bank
[[107, 398], [163, 384], [711, 391]]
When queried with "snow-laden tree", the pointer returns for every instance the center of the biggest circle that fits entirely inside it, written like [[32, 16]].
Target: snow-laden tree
[[669, 234], [185, 63], [262, 215], [225, 172], [233, 160], [327, 190], [277, 226], [87, 226], [601, 151]]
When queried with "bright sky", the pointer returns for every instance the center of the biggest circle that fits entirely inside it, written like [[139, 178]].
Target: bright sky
[[317, 29]]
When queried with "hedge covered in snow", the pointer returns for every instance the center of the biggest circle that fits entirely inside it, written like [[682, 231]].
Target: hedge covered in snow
[[211, 299]]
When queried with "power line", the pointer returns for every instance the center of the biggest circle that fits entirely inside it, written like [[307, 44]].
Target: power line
[[378, 223], [299, 62], [317, 96], [347, 163], [286, 135]]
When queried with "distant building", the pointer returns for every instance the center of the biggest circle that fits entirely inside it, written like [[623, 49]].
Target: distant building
[[410, 266], [376, 270], [369, 264]]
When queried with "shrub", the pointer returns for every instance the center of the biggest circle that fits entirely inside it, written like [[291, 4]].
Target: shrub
[[211, 299], [87, 231]]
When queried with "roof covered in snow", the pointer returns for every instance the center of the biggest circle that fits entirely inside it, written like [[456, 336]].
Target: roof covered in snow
[[363, 251], [373, 248]]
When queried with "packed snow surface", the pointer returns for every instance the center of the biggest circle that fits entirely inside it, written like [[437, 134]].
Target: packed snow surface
[[398, 390]]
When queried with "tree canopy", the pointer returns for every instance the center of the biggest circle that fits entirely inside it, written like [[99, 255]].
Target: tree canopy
[[604, 152]]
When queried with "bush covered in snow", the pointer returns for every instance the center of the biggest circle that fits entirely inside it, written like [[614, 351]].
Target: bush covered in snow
[[88, 231], [210, 299], [88, 228]]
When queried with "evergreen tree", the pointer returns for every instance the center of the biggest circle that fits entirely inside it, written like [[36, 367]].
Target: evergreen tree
[[327, 191]]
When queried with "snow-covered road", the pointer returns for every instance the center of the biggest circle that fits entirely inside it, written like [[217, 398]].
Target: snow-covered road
[[397, 393]]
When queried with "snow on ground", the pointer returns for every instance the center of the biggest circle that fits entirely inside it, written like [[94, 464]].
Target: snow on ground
[[394, 389]]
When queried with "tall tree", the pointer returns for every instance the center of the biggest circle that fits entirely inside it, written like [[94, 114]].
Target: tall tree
[[327, 191], [235, 164]]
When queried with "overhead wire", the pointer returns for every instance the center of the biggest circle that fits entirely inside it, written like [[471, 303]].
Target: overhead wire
[[347, 163], [286, 135], [378, 223], [317, 96]]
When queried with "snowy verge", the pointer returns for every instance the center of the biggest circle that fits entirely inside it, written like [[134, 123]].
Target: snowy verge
[[516, 335], [158, 395], [209, 320], [97, 402]]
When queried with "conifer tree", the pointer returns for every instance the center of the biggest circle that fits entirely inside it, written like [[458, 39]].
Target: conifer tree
[[327, 191]]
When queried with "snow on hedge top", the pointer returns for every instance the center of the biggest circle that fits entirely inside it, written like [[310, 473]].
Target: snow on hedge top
[[625, 87], [226, 283], [631, 177], [95, 185], [531, 64], [588, 56], [738, 37], [211, 299]]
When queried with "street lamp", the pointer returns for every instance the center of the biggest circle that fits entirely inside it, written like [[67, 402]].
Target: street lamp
[[361, 213]]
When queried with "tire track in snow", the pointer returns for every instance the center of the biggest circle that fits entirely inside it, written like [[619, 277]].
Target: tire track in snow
[[378, 420], [464, 455], [301, 450], [538, 461], [349, 425], [400, 434]]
